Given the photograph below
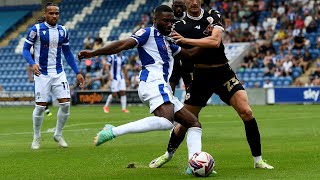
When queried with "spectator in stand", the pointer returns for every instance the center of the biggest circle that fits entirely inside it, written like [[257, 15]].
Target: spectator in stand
[[278, 69], [306, 61], [267, 84], [312, 26], [135, 80], [101, 74], [298, 83], [87, 82], [98, 43], [88, 63], [299, 41], [299, 23], [287, 66], [244, 24], [318, 42], [88, 42]]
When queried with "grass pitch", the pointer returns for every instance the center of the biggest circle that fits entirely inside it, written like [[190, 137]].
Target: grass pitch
[[290, 142]]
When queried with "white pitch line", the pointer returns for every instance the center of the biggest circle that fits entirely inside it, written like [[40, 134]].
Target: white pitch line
[[50, 130], [43, 132]]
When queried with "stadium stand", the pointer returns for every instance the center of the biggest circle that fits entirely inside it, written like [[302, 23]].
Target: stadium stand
[[13, 15], [275, 29]]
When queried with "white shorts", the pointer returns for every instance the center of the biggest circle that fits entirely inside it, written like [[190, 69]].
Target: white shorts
[[157, 92], [118, 85], [57, 85]]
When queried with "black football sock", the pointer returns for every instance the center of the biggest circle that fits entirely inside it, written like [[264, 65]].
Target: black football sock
[[253, 137], [174, 142]]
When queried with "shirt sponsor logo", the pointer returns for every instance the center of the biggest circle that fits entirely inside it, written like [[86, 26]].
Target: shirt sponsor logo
[[197, 27], [140, 32]]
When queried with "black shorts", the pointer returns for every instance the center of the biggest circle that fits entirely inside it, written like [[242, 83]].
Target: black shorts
[[181, 70], [206, 81]]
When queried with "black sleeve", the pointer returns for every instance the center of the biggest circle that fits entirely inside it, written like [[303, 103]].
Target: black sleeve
[[217, 18]]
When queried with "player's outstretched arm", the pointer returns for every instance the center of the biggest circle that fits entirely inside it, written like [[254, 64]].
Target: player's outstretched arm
[[212, 41], [109, 49]]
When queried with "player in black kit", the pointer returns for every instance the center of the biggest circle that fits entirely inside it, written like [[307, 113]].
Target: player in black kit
[[212, 74], [180, 70]]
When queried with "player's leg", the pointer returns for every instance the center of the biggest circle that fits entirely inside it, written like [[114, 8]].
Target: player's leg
[[42, 85], [233, 93], [123, 97], [176, 137], [157, 96], [60, 89], [161, 121], [194, 104], [239, 102], [114, 90]]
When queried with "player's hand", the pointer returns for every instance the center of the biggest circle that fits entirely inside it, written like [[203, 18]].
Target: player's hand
[[81, 80], [177, 37], [36, 69], [84, 54]]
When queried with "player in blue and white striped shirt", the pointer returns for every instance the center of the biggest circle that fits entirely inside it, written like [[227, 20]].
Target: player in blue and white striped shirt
[[49, 39], [156, 52], [117, 74]]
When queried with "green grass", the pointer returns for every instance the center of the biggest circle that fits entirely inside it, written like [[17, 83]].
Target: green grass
[[290, 141]]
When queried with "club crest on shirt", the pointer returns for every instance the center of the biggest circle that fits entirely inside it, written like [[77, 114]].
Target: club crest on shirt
[[32, 34], [140, 32], [61, 32], [210, 20]]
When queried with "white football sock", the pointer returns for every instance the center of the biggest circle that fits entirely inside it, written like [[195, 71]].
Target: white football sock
[[123, 100], [151, 123], [109, 99], [257, 159], [63, 114], [37, 118], [194, 141]]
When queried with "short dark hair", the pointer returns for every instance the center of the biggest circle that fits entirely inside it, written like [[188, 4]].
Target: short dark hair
[[163, 8], [51, 4]]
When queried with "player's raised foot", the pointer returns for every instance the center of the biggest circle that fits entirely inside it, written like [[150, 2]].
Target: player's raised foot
[[35, 143], [263, 165], [60, 141], [160, 161], [125, 111], [188, 171], [104, 135], [106, 109]]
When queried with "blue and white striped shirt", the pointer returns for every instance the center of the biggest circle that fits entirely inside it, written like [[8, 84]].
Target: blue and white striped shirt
[[47, 42], [116, 63], [156, 53]]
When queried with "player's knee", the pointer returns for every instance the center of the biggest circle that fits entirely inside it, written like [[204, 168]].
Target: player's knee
[[166, 124], [246, 114], [195, 123], [65, 107], [39, 110]]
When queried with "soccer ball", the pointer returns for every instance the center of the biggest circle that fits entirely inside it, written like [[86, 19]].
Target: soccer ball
[[201, 164]]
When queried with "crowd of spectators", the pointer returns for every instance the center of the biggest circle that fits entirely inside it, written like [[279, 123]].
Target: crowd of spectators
[[283, 34]]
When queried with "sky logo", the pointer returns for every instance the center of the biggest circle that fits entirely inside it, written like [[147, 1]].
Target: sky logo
[[311, 94]]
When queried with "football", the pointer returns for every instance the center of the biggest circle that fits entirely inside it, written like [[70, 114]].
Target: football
[[201, 164]]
